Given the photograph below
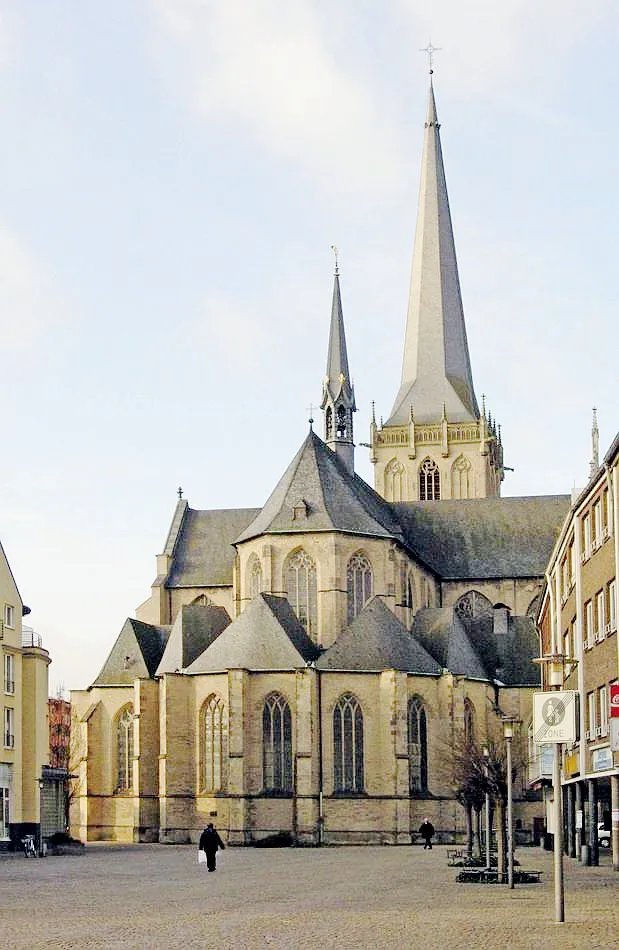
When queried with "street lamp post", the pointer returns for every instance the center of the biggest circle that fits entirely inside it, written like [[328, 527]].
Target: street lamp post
[[508, 735], [486, 757]]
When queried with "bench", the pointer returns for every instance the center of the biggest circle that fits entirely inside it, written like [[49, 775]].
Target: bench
[[525, 876], [454, 855]]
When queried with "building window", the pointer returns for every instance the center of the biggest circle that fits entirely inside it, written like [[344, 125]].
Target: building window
[[328, 424], [213, 744], [567, 646], [9, 615], [5, 811], [395, 475], [461, 478], [255, 577], [348, 745], [429, 481], [341, 423], [600, 617], [592, 713], [469, 722], [417, 748], [597, 523], [301, 588], [9, 673], [586, 536], [359, 584], [124, 749], [612, 607], [276, 745], [603, 710], [589, 624], [472, 604], [9, 728]]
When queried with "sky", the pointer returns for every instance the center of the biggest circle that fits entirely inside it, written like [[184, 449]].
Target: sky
[[172, 177]]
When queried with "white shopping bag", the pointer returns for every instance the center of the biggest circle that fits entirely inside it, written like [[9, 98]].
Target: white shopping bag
[[201, 857]]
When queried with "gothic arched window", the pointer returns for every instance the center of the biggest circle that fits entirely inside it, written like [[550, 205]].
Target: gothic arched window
[[417, 747], [301, 588], [429, 481], [328, 423], [348, 745], [359, 584], [472, 604], [124, 749], [533, 607], [395, 474], [341, 422], [276, 745], [461, 474], [202, 601], [254, 569], [469, 722], [213, 733]]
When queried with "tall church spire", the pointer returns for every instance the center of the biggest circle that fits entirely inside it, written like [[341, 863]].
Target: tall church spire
[[436, 368], [338, 395]]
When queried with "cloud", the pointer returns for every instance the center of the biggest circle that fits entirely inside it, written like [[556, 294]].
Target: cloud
[[29, 301], [271, 68]]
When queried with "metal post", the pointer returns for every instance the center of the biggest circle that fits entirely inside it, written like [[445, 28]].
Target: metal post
[[558, 833], [510, 817], [487, 828], [614, 805]]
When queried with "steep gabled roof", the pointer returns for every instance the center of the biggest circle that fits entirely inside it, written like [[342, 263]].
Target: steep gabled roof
[[203, 552], [442, 633], [135, 655], [377, 640], [507, 655], [194, 629], [484, 537], [334, 499], [266, 636]]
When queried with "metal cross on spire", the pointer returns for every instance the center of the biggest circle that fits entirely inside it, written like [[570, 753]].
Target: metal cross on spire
[[310, 409], [336, 255], [429, 49]]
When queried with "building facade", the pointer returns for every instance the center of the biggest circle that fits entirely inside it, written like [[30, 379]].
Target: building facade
[[305, 669], [578, 621], [25, 742]]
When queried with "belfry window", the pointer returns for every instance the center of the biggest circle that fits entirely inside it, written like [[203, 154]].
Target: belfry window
[[341, 423], [417, 748], [301, 588], [213, 744], [276, 745], [429, 481], [348, 745], [328, 423], [359, 584], [124, 749]]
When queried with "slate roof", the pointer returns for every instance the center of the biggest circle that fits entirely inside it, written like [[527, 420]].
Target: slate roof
[[204, 552], [442, 633], [508, 656], [136, 654], [335, 499], [194, 629], [266, 636], [377, 640], [484, 537]]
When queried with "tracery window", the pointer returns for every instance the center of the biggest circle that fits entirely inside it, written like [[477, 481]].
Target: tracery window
[[429, 481], [417, 747], [276, 745], [469, 722], [472, 604], [395, 481], [301, 588], [348, 745], [124, 749], [255, 577], [213, 730], [461, 478], [359, 581]]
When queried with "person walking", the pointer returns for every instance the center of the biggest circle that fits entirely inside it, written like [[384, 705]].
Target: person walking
[[426, 830], [210, 843]]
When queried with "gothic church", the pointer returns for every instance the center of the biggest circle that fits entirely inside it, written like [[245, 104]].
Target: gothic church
[[302, 669]]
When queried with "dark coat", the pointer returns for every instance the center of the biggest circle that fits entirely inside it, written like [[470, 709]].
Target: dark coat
[[426, 830], [210, 842]]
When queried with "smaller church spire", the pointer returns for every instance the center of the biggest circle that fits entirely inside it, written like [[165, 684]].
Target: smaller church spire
[[595, 445], [338, 395]]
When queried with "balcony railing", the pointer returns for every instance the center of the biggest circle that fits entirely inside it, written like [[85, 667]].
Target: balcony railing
[[30, 638]]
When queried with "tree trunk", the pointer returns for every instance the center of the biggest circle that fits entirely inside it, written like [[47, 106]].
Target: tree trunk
[[468, 817], [477, 832]]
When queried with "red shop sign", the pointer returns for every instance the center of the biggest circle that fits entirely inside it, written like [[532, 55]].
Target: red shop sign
[[614, 700]]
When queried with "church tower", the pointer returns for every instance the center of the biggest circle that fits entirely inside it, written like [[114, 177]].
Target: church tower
[[338, 394], [435, 444]]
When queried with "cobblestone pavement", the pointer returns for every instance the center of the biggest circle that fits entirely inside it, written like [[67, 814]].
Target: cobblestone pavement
[[156, 896]]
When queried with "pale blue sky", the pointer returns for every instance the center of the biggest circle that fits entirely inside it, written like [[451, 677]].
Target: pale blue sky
[[172, 177]]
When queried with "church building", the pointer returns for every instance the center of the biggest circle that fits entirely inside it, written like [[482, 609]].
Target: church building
[[305, 669]]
